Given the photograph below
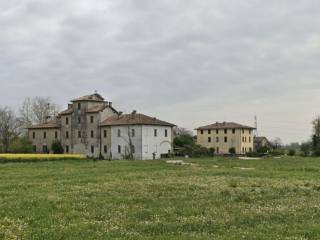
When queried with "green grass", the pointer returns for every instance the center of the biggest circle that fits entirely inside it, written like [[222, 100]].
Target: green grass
[[212, 199]]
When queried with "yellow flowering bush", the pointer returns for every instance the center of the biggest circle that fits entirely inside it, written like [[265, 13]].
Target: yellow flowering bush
[[38, 157]]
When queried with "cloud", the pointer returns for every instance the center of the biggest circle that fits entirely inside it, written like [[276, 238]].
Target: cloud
[[189, 62]]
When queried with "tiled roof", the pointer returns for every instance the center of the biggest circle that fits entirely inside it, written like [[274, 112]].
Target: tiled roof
[[224, 125], [96, 109], [260, 139], [45, 125], [66, 112], [92, 98], [134, 119]]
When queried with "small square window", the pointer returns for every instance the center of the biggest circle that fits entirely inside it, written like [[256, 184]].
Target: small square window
[[209, 131], [201, 131], [217, 131], [233, 131], [226, 131], [209, 139]]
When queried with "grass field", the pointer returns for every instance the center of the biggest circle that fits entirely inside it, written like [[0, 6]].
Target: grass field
[[213, 199]]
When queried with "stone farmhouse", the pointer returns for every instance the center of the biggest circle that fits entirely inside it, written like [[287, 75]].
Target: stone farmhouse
[[91, 126], [226, 135]]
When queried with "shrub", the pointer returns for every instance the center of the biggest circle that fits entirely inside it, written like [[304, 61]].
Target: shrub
[[20, 145], [292, 152], [232, 150], [57, 147]]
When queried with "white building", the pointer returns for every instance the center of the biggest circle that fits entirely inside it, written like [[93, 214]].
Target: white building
[[147, 137]]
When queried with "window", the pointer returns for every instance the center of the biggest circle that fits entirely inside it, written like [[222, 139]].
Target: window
[[245, 139], [67, 134], [242, 139], [209, 131], [79, 134], [243, 149], [249, 139], [217, 131], [105, 149], [249, 131], [92, 149], [104, 133], [79, 120], [119, 133], [34, 148], [132, 133], [243, 131], [201, 131], [233, 131], [225, 139], [250, 149], [67, 121], [67, 149], [79, 106], [155, 132], [33, 135], [91, 119], [119, 149], [45, 135], [218, 149], [225, 131], [45, 148], [92, 134], [217, 139], [209, 139], [56, 135], [166, 133]]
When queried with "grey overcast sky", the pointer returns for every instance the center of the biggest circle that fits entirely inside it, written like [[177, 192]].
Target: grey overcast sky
[[189, 62]]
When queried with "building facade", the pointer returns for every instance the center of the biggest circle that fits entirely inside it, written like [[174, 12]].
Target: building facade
[[226, 135], [90, 126]]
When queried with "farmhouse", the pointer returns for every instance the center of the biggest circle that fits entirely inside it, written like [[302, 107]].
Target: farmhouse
[[91, 126], [226, 135]]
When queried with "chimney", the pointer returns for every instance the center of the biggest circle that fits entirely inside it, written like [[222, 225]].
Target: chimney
[[133, 114], [119, 114]]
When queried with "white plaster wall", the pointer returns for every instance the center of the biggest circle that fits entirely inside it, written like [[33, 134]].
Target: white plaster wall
[[159, 144], [123, 141]]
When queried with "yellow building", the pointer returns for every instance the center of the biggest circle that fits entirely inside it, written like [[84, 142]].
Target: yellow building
[[226, 135]]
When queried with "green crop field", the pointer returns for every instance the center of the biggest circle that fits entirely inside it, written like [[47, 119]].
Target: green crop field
[[217, 198]]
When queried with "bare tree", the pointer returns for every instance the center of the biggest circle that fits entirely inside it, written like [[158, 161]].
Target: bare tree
[[177, 131], [36, 110], [9, 126], [129, 150]]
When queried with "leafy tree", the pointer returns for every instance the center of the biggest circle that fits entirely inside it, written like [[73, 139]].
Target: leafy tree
[[183, 140], [57, 147], [305, 149], [316, 137]]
